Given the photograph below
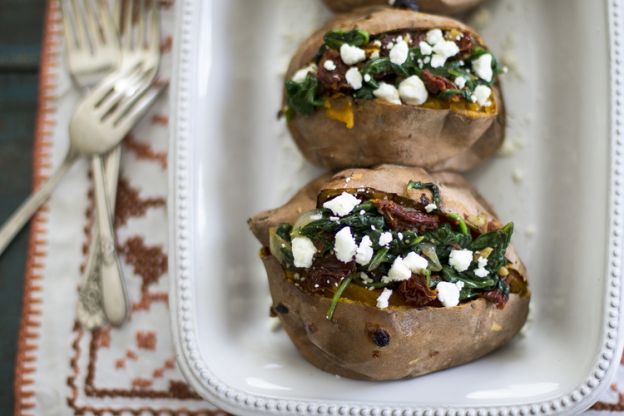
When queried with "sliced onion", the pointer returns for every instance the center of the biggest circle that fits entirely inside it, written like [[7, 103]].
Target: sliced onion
[[305, 219], [277, 246], [429, 251]]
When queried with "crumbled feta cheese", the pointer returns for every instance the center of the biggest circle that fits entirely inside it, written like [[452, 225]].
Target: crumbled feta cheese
[[354, 78], [481, 271], [389, 45], [431, 207], [413, 91], [362, 212], [334, 219], [399, 271], [437, 61], [388, 93], [302, 74], [384, 298], [442, 51], [415, 262], [364, 252], [343, 204], [303, 251], [482, 66], [448, 293], [434, 36], [375, 55], [329, 65], [351, 55], [400, 235], [446, 48], [460, 82], [425, 48], [427, 59], [460, 259], [482, 95], [399, 52], [367, 77], [345, 246], [316, 217], [366, 279], [385, 239], [377, 43]]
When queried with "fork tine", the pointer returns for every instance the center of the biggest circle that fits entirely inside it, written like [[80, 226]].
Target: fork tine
[[107, 22], [79, 29], [91, 25], [153, 28], [139, 107], [127, 17], [68, 29], [117, 10], [140, 24]]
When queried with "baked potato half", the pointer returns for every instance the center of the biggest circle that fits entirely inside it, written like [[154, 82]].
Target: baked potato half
[[385, 85], [428, 6], [392, 272]]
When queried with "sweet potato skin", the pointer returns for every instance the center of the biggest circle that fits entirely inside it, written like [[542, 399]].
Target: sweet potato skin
[[435, 139], [422, 340], [429, 6]]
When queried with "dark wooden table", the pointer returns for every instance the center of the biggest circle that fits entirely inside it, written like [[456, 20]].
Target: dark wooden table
[[21, 27]]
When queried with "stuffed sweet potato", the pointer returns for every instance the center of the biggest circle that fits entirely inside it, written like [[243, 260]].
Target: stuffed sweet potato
[[392, 273], [429, 6], [383, 85]]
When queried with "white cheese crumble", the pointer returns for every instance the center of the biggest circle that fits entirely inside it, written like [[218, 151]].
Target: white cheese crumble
[[385, 239], [425, 48], [354, 78], [398, 271], [434, 36], [481, 271], [460, 82], [448, 293], [366, 279], [415, 262], [413, 91], [399, 52], [374, 55], [302, 74], [384, 298], [343, 204], [388, 93], [400, 235], [482, 95], [329, 65], [482, 66], [344, 245], [303, 251], [316, 217], [460, 259], [367, 77], [442, 51], [431, 207], [351, 55], [364, 252]]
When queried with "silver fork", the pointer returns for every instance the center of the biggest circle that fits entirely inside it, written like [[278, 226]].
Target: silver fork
[[100, 291], [91, 57]]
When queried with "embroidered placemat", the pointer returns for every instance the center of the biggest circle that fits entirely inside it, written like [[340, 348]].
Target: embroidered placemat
[[62, 369]]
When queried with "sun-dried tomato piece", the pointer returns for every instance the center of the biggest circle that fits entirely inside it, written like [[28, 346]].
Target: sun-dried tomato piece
[[416, 292], [466, 43], [401, 218], [326, 272], [436, 84], [335, 80], [496, 297]]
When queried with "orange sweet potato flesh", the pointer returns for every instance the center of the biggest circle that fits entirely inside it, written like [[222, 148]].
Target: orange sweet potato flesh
[[455, 139], [429, 6], [421, 340]]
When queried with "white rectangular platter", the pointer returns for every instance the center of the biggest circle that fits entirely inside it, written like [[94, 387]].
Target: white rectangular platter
[[562, 186]]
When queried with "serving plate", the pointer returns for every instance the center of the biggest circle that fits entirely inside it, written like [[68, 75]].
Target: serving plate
[[561, 182]]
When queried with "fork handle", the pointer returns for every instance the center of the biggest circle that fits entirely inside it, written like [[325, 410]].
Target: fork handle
[[29, 207], [114, 297]]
